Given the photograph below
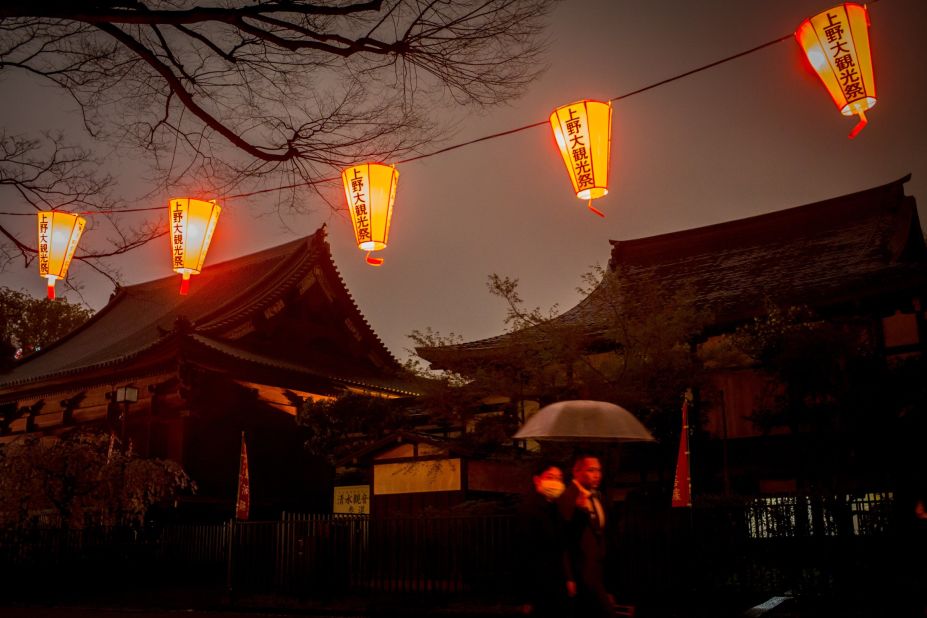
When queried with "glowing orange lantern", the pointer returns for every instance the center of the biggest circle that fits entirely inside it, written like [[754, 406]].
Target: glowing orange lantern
[[192, 225], [583, 131], [370, 189], [59, 233], [837, 45]]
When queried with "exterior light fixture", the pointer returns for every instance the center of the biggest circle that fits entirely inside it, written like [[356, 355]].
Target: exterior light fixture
[[836, 43], [583, 131], [58, 233], [370, 189], [193, 223], [127, 394]]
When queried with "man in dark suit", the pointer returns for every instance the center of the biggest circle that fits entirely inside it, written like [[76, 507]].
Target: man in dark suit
[[584, 521]]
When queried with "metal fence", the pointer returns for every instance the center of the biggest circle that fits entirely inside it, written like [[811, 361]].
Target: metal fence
[[324, 554], [814, 545], [754, 547]]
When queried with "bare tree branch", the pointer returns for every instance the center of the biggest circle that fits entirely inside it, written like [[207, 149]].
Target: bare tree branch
[[246, 96], [246, 71]]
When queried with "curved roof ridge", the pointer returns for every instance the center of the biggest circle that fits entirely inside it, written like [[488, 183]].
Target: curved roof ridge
[[79, 368], [858, 203], [356, 310], [121, 292], [862, 225], [231, 349], [301, 250]]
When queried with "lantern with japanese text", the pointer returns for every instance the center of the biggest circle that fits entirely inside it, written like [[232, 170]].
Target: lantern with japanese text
[[583, 131], [193, 223], [59, 233], [370, 189], [837, 45]]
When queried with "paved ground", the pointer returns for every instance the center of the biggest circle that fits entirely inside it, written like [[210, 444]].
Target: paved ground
[[775, 607], [95, 612]]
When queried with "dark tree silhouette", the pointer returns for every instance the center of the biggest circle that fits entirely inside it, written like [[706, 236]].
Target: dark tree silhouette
[[237, 96], [28, 324], [283, 82]]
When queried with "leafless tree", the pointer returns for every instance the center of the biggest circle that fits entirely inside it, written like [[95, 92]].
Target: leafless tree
[[294, 86], [240, 96], [46, 173]]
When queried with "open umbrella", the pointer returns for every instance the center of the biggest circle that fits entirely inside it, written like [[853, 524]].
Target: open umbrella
[[584, 421]]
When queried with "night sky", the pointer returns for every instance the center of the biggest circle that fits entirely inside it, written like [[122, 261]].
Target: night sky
[[751, 136]]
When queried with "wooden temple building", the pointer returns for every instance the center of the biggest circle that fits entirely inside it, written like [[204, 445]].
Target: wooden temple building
[[856, 259], [180, 377]]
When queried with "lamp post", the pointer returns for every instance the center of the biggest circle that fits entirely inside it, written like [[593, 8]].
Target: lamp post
[[125, 395]]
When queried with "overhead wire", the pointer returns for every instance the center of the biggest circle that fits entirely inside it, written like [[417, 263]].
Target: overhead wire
[[309, 183]]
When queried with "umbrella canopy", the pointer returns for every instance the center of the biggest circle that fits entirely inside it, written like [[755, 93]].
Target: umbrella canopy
[[584, 421]]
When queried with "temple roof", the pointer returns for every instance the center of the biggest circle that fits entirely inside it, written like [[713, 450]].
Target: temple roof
[[286, 306], [851, 248]]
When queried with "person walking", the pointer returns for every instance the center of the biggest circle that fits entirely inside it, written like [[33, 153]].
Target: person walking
[[584, 519], [543, 588]]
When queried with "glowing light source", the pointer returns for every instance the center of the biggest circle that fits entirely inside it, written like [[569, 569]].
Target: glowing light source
[[193, 223], [59, 233], [370, 189], [836, 43], [583, 131]]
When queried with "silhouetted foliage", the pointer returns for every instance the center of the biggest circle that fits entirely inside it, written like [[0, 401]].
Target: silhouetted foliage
[[339, 426], [638, 351], [80, 479], [29, 324]]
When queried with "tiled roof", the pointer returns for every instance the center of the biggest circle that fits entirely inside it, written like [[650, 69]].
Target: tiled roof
[[398, 386], [853, 247], [223, 297]]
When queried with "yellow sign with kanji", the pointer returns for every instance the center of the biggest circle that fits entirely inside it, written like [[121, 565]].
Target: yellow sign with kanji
[[354, 499]]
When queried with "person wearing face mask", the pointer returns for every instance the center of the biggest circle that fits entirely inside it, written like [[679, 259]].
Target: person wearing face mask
[[542, 576]]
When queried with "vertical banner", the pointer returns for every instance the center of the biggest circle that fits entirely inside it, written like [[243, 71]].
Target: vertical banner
[[243, 503], [682, 486]]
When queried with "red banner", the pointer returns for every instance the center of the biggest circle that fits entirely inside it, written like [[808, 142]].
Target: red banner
[[682, 486], [243, 503]]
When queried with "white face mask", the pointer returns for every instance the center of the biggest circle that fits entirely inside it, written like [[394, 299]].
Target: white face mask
[[551, 488]]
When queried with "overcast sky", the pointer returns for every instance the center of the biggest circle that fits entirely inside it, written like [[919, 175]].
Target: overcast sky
[[751, 136]]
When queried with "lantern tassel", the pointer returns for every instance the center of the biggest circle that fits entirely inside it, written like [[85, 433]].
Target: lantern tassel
[[863, 121], [373, 261], [595, 210], [51, 290], [185, 284]]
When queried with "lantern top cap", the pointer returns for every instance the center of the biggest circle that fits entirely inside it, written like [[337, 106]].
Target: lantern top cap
[[198, 199], [842, 5], [377, 163], [56, 211], [608, 102]]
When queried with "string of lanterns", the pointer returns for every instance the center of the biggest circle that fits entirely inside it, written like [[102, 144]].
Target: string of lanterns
[[835, 42]]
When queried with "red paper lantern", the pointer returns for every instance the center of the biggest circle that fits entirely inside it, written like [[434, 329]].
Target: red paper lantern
[[583, 131], [836, 43], [193, 223], [59, 233], [370, 189]]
